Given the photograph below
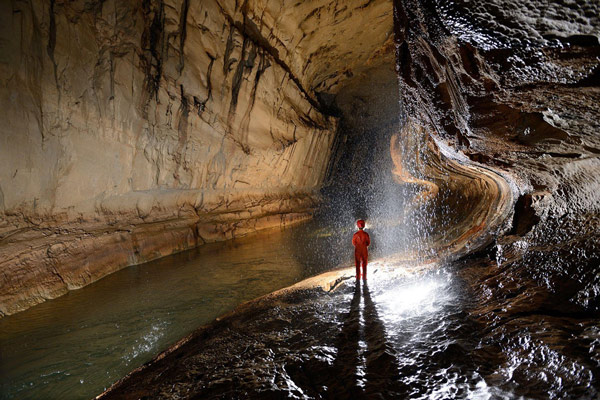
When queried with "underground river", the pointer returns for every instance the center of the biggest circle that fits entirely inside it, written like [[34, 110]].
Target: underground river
[[77, 345], [464, 132], [426, 332]]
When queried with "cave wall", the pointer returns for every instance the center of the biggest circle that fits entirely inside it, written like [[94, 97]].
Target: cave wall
[[423, 201], [514, 94], [136, 129], [514, 88]]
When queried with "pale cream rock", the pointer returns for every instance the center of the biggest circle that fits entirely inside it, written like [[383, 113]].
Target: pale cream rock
[[132, 130]]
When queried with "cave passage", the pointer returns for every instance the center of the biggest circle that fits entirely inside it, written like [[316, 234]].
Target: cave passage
[[464, 132]]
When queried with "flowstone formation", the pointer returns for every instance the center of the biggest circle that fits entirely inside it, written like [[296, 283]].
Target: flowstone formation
[[520, 99], [514, 86], [132, 130]]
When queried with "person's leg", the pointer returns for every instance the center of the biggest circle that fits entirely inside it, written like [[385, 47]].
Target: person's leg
[[364, 267], [357, 263]]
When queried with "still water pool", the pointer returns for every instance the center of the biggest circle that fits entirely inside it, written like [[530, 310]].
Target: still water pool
[[77, 345]]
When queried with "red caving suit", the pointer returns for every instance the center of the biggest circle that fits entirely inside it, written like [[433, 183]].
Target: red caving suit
[[361, 242]]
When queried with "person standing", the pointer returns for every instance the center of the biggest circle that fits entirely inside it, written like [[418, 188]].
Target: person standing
[[361, 242]]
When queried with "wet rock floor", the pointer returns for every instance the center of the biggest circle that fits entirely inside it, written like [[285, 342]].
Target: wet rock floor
[[411, 334]]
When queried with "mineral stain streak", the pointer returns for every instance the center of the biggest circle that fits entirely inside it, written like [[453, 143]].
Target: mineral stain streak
[[140, 172]]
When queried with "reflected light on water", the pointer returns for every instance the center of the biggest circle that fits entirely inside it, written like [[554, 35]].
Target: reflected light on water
[[75, 346], [414, 295], [422, 315], [411, 298]]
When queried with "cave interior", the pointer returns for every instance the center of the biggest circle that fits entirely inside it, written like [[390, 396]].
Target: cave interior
[[466, 133]]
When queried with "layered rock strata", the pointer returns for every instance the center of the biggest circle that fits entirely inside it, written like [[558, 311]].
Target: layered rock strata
[[514, 87], [136, 129], [517, 94], [421, 197]]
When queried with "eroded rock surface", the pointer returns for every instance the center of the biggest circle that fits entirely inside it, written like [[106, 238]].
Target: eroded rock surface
[[141, 129], [136, 129], [518, 95], [514, 87], [401, 335], [499, 120]]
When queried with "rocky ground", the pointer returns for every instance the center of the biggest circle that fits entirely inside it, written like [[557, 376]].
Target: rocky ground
[[496, 148], [411, 332]]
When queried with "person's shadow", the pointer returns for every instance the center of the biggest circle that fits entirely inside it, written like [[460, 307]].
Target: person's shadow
[[374, 372], [347, 361]]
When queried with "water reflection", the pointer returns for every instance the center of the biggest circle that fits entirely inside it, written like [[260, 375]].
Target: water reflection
[[75, 346], [429, 329], [412, 339]]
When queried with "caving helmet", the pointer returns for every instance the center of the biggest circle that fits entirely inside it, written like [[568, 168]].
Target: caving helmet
[[360, 223]]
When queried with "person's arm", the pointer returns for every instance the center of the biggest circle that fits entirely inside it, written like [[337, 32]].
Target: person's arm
[[368, 240], [354, 238]]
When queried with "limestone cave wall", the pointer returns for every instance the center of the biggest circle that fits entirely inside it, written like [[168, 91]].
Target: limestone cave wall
[[514, 88], [134, 129]]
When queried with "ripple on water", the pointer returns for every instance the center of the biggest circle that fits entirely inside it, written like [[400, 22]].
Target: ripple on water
[[77, 345]]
